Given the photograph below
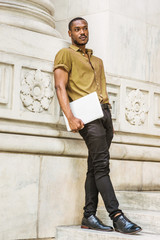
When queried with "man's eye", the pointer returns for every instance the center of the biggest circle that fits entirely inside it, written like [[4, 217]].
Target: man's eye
[[77, 29], [85, 28]]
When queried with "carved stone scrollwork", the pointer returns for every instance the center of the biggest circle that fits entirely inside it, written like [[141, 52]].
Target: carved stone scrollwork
[[36, 91], [136, 108]]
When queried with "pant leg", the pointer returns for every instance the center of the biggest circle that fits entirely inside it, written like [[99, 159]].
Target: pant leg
[[91, 191], [98, 135]]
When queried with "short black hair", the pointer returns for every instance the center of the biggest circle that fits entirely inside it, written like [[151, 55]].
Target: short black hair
[[75, 19]]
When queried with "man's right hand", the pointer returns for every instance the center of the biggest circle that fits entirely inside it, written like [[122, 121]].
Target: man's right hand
[[75, 124]]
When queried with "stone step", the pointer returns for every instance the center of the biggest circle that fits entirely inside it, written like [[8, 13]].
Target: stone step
[[148, 220], [138, 200], [76, 233]]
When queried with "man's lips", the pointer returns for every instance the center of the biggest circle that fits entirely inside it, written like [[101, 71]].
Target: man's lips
[[83, 37]]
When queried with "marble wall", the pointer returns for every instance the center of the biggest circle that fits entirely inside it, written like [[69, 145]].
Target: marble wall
[[42, 166], [31, 186]]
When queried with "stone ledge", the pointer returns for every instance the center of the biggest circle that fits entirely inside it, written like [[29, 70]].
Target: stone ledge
[[142, 218], [73, 147], [37, 239], [76, 233], [140, 200]]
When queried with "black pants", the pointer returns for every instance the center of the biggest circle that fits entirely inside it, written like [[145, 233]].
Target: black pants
[[98, 136]]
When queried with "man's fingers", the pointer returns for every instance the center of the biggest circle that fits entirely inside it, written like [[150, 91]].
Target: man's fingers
[[82, 125], [76, 125]]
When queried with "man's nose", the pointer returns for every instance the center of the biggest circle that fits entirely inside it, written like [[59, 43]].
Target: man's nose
[[82, 31]]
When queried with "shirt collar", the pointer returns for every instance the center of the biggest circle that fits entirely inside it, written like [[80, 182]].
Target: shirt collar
[[75, 48]]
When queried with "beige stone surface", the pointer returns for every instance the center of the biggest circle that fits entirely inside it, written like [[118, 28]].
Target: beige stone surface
[[126, 47], [27, 43], [61, 193], [153, 54], [153, 9], [133, 9], [135, 175], [19, 187], [76, 233], [77, 8], [134, 152], [143, 218], [137, 200], [62, 25], [150, 176], [74, 147], [63, 6], [126, 175]]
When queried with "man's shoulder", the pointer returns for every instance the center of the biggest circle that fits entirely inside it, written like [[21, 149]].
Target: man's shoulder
[[63, 53], [63, 50], [97, 59]]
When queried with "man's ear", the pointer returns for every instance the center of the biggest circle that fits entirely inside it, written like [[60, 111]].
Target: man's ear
[[69, 33]]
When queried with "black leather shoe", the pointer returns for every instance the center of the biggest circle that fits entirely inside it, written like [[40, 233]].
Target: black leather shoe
[[94, 223], [124, 225]]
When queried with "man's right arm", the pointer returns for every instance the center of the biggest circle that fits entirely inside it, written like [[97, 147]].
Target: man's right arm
[[61, 80]]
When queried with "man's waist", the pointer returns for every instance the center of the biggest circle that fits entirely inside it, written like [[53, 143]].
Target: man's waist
[[106, 105]]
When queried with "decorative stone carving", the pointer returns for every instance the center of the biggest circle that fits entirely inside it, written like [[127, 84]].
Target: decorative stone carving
[[36, 91], [136, 108]]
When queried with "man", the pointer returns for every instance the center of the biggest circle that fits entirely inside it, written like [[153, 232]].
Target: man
[[77, 73]]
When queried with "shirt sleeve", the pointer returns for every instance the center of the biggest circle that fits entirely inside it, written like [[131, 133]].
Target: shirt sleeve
[[103, 83], [63, 60]]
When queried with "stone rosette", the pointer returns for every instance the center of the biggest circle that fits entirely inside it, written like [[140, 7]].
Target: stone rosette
[[36, 91], [136, 109]]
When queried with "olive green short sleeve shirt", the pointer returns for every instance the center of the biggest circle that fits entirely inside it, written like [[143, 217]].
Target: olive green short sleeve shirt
[[86, 74]]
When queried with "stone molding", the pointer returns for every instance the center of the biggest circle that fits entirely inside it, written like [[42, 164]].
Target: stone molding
[[73, 148], [36, 91], [6, 72], [29, 15]]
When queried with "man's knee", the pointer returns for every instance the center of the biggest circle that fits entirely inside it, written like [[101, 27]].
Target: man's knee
[[102, 168]]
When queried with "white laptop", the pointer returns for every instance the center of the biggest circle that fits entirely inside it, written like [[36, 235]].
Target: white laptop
[[87, 108]]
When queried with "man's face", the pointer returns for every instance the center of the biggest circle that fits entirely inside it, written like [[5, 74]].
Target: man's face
[[79, 32]]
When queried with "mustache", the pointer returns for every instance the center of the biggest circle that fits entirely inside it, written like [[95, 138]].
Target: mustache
[[82, 36]]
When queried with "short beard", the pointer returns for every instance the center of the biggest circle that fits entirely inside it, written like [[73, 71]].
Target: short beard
[[79, 44]]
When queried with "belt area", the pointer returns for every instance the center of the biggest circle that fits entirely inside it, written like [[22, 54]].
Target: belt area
[[106, 105]]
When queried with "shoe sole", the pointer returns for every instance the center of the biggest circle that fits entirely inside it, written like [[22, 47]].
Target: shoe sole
[[132, 233], [85, 227]]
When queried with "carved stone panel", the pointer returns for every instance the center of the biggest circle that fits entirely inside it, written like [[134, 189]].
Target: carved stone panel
[[136, 108], [36, 91]]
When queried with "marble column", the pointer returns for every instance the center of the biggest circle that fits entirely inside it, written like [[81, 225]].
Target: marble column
[[37, 16]]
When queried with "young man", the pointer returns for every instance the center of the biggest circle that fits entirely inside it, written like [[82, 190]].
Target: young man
[[77, 73]]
